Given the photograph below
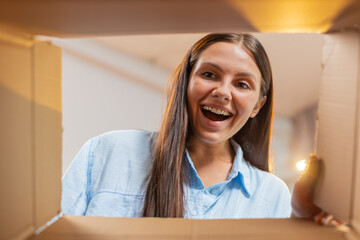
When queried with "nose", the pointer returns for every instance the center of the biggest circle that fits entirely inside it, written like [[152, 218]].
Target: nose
[[222, 91]]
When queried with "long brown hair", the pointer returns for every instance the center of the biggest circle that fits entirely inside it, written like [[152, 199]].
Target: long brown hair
[[165, 191]]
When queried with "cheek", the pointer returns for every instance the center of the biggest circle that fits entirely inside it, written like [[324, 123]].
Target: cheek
[[245, 103], [196, 90], [193, 86], [191, 97]]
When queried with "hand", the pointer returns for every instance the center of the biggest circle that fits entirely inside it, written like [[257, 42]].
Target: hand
[[302, 200]]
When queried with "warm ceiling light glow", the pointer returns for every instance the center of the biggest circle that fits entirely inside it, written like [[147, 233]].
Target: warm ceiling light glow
[[301, 165], [291, 16]]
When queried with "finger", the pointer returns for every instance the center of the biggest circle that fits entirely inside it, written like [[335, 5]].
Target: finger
[[312, 167], [319, 217], [326, 219]]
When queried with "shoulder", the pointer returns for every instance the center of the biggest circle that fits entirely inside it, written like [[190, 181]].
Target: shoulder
[[125, 137], [269, 179], [120, 161], [268, 183], [122, 141], [108, 168], [273, 193], [118, 147]]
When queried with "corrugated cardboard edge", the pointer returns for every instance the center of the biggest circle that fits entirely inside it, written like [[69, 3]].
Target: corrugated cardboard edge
[[355, 206], [337, 122]]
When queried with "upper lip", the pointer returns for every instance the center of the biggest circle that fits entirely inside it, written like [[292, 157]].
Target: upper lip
[[219, 107]]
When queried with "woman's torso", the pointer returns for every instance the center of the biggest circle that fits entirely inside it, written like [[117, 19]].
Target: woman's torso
[[109, 175]]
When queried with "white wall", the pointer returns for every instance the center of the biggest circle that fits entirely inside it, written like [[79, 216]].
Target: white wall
[[293, 140], [104, 91], [281, 150]]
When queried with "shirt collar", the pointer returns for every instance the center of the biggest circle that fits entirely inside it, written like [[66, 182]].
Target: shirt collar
[[194, 177], [241, 170]]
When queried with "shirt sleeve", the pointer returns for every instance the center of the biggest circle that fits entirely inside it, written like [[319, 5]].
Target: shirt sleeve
[[76, 182], [283, 205]]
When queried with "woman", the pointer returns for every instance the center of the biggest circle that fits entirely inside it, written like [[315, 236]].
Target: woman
[[210, 157]]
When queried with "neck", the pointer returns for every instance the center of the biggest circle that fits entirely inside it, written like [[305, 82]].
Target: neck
[[208, 153], [212, 162]]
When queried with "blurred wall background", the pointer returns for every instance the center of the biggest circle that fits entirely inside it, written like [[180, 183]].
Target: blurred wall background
[[112, 83]]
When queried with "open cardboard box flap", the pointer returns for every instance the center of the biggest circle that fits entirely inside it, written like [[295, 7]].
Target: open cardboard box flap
[[84, 18], [30, 167], [79, 227], [30, 93], [339, 123]]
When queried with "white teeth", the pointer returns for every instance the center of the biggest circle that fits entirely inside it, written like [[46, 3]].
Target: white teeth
[[216, 110]]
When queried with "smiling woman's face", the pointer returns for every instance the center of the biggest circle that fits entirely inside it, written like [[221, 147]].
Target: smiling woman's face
[[223, 91]]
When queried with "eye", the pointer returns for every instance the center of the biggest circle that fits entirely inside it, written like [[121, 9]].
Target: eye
[[208, 75], [242, 85]]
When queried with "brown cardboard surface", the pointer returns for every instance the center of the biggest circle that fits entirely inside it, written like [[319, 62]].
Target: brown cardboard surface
[[352, 235], [15, 37], [48, 131], [16, 139], [81, 227], [107, 17], [356, 188], [30, 123], [337, 122], [31, 119]]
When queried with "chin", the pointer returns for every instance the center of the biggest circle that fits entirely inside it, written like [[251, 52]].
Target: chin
[[211, 138]]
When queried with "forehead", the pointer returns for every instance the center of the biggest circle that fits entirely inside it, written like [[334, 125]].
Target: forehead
[[230, 56]]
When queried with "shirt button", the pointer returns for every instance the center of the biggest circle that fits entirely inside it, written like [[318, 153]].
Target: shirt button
[[193, 213], [214, 191]]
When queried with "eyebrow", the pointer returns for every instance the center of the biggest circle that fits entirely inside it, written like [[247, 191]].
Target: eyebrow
[[240, 74]]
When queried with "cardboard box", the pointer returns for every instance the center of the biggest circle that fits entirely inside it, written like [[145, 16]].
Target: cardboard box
[[31, 134], [30, 107], [339, 125], [83, 18]]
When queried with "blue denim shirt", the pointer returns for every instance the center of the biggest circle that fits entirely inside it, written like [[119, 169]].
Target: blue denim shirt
[[108, 177]]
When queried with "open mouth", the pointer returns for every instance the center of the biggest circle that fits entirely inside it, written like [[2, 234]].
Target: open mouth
[[215, 114]]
